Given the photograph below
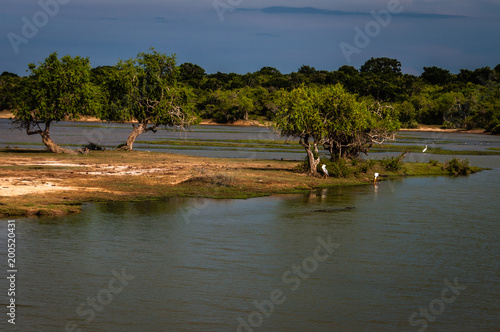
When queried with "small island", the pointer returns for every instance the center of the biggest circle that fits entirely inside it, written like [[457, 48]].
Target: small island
[[334, 119]]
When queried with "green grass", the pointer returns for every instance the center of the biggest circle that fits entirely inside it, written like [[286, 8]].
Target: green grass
[[432, 150]]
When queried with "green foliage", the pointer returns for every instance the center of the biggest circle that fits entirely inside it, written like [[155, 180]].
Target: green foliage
[[56, 90], [382, 79], [458, 167], [366, 165], [146, 90], [393, 164], [332, 117], [407, 114], [436, 76], [494, 127], [191, 74], [10, 87], [433, 162], [227, 106], [448, 125], [339, 168], [300, 115]]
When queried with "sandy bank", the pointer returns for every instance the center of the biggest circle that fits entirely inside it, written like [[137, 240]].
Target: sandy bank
[[35, 182]]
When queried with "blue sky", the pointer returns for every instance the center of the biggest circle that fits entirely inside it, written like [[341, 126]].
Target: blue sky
[[245, 35]]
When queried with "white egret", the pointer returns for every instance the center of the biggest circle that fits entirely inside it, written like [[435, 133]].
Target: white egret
[[325, 171], [425, 149], [375, 177]]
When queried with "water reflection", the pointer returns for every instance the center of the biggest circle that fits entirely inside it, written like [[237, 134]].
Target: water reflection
[[397, 246], [200, 264]]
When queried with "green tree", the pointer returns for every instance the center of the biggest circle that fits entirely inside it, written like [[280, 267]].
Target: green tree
[[425, 105], [56, 90], [382, 66], [354, 126], [350, 78], [145, 90], [332, 117], [454, 108], [437, 76], [382, 79], [299, 115], [10, 87], [191, 74], [407, 114], [227, 106]]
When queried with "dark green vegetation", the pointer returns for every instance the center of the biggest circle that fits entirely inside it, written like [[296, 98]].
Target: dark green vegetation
[[458, 167], [469, 99]]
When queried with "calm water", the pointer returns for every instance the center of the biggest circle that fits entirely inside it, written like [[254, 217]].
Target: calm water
[[423, 247], [76, 134]]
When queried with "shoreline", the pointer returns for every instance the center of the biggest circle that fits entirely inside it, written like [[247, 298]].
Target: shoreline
[[437, 129], [39, 183], [266, 123]]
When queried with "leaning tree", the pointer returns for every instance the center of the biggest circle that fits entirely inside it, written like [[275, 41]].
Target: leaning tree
[[55, 90], [144, 91]]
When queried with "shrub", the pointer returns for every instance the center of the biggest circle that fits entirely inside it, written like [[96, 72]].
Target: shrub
[[367, 165], [458, 167], [413, 124], [93, 146], [338, 168], [391, 164], [303, 167], [433, 162], [394, 164], [448, 125], [493, 127]]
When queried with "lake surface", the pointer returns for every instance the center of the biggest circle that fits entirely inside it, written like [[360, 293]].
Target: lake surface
[[192, 142], [411, 254]]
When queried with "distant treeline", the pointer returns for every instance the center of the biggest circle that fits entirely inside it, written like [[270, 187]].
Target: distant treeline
[[469, 99]]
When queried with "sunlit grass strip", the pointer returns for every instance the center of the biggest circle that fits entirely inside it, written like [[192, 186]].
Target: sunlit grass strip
[[224, 144], [431, 150]]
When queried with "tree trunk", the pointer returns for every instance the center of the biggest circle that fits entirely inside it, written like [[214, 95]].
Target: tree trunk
[[140, 128], [133, 135], [313, 162], [50, 144], [312, 155]]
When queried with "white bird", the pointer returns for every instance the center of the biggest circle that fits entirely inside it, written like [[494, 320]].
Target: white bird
[[325, 171], [425, 149], [375, 177]]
